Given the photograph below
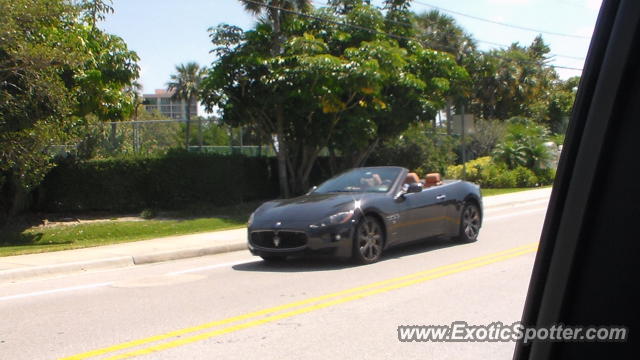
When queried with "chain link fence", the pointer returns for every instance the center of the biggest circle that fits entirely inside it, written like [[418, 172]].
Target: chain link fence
[[147, 137]]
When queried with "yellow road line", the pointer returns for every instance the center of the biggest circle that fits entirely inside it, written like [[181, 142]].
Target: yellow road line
[[207, 335], [438, 272]]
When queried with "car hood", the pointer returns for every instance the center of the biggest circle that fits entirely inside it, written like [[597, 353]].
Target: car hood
[[307, 208]]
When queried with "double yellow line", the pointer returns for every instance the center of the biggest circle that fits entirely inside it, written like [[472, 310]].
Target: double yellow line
[[276, 313]]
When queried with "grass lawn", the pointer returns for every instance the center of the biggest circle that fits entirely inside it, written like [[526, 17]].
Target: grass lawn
[[491, 192], [195, 220], [67, 237], [199, 218]]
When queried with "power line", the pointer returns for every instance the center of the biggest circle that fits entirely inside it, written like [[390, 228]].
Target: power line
[[478, 40], [363, 28], [565, 67], [550, 54], [499, 22]]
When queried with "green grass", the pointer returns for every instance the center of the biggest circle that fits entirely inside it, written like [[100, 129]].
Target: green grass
[[491, 192], [197, 218], [35, 240]]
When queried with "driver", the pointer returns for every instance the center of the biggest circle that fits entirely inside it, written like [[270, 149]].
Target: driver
[[370, 180]]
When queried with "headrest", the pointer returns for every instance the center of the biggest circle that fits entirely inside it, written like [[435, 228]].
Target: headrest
[[412, 178], [432, 178]]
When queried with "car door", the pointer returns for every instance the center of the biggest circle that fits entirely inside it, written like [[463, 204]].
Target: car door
[[446, 208], [421, 216]]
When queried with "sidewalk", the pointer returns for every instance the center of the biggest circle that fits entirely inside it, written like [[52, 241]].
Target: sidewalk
[[517, 198], [21, 267]]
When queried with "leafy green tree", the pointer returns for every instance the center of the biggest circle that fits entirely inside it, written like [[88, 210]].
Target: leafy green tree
[[511, 82], [56, 68], [185, 85], [556, 110], [419, 148], [440, 32], [487, 135], [274, 17], [332, 86]]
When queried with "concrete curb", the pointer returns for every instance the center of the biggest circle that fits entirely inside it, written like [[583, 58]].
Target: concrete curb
[[187, 253], [115, 262]]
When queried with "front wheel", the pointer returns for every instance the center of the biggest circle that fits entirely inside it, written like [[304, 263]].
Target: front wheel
[[368, 241], [469, 223]]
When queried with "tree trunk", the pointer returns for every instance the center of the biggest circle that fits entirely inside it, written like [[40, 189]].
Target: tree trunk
[[333, 164], [188, 130], [449, 106], [282, 153], [200, 134], [18, 196], [112, 136], [283, 178], [362, 158]]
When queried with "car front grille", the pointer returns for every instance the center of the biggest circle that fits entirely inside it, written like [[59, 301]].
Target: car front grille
[[278, 239]]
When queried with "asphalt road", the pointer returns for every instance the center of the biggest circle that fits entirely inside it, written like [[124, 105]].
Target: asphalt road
[[235, 306]]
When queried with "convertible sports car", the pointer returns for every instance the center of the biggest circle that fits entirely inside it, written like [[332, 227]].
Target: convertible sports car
[[363, 211]]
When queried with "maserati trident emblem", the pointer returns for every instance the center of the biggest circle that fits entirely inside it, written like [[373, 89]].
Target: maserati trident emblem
[[276, 240], [279, 223]]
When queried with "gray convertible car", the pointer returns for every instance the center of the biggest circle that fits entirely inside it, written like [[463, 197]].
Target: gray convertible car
[[364, 211]]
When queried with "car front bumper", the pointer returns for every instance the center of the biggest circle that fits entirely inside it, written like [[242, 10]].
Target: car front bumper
[[334, 240]]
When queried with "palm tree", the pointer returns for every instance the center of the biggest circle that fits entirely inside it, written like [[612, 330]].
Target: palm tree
[[440, 32], [185, 84], [272, 12]]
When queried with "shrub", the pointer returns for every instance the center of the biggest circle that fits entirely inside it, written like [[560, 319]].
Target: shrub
[[148, 214], [546, 176], [487, 173], [505, 179], [525, 177], [170, 181], [474, 169], [523, 145]]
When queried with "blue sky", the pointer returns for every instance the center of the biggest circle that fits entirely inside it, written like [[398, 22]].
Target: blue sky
[[165, 33]]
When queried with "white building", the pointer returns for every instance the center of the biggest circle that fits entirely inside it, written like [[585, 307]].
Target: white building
[[162, 101]]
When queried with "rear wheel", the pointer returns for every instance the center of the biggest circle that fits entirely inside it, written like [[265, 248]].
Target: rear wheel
[[470, 221], [368, 241]]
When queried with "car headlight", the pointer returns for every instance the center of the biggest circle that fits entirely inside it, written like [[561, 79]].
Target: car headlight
[[250, 221], [339, 218]]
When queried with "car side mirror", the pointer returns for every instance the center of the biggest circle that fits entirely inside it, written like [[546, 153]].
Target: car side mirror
[[414, 188], [311, 190], [408, 189]]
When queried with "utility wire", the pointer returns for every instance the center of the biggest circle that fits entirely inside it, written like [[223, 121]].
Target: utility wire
[[499, 22], [478, 40], [363, 28]]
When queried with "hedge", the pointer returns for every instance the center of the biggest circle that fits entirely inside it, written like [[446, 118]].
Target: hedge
[[485, 172], [172, 181]]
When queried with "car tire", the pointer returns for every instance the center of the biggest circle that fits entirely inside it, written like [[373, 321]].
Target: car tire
[[470, 221], [273, 258], [368, 241]]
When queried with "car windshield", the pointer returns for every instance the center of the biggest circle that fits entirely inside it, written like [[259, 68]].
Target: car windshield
[[361, 180]]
